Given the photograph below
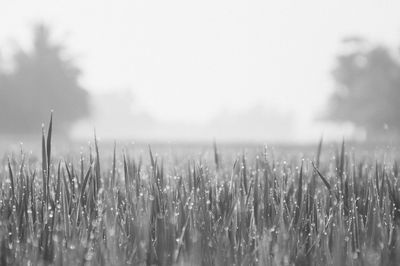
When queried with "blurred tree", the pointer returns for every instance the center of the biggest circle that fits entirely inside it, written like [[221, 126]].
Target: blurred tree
[[368, 88], [40, 81]]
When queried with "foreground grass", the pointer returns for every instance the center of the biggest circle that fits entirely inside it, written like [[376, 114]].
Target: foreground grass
[[89, 211]]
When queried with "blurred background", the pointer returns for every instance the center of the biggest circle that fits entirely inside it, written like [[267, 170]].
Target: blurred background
[[193, 71]]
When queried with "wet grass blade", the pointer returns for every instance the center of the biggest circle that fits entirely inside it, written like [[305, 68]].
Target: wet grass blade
[[152, 159], [10, 173], [126, 178], [44, 165], [341, 167], [319, 151], [70, 178], [48, 144], [299, 196], [328, 186], [85, 181], [216, 156], [97, 168]]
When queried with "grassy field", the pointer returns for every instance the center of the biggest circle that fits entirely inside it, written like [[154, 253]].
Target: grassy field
[[216, 206]]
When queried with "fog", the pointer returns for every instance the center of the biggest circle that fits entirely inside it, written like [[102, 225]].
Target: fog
[[260, 71]]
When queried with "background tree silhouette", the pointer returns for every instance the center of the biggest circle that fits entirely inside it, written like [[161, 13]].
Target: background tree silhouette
[[41, 80], [367, 89]]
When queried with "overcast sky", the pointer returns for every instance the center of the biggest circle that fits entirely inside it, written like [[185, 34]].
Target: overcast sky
[[190, 60]]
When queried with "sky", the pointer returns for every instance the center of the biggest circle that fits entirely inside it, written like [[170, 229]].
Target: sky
[[188, 62]]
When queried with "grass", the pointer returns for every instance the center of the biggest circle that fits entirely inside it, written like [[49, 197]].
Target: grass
[[145, 211]]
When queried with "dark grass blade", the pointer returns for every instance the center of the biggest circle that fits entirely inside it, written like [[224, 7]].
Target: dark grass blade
[[48, 143], [11, 180], [341, 166], [319, 151], [152, 159], [70, 178], [299, 196], [44, 164], [377, 177], [65, 189], [328, 186], [82, 170], [126, 178], [97, 166], [244, 167], [85, 181], [216, 156], [190, 183], [57, 198], [256, 196]]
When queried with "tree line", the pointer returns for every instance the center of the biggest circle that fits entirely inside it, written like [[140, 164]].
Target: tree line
[[366, 93]]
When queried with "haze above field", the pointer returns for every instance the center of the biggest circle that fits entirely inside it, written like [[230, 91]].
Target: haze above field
[[227, 69]]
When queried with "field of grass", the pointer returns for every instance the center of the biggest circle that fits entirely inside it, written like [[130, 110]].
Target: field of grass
[[214, 208]]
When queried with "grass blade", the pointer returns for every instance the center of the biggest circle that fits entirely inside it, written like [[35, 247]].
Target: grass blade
[[328, 186]]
